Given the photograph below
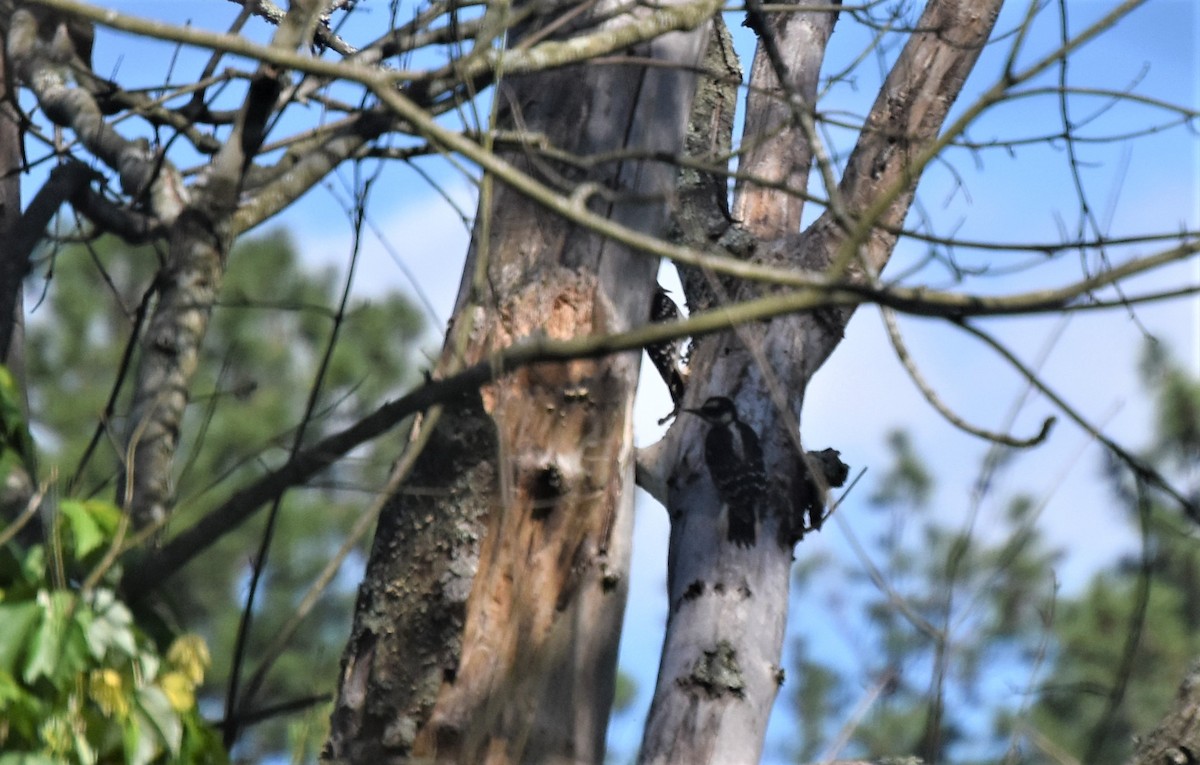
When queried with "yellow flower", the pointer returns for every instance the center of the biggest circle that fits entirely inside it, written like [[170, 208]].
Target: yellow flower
[[189, 655], [179, 690], [56, 735], [106, 688]]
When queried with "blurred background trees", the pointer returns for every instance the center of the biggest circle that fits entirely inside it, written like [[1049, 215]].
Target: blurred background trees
[[968, 650], [270, 330]]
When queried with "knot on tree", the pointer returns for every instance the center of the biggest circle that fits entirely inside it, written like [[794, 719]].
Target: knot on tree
[[545, 486], [818, 472], [717, 672]]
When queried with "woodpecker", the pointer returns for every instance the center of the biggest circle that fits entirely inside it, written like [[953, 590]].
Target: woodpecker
[[666, 355], [735, 464]]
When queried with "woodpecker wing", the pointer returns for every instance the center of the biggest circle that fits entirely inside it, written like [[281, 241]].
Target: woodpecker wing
[[735, 463]]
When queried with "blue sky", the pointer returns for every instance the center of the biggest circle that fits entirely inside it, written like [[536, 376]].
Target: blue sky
[[862, 392]]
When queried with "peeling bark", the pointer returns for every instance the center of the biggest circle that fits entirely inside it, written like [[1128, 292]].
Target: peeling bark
[[396, 664], [701, 216], [533, 680]]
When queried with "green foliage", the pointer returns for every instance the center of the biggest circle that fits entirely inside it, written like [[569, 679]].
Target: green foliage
[[940, 608], [1177, 397], [820, 697], [16, 445], [1092, 633], [267, 340], [79, 681], [907, 481], [1127, 641]]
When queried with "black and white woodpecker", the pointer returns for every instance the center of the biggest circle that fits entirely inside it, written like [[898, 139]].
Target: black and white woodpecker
[[667, 356], [735, 464]]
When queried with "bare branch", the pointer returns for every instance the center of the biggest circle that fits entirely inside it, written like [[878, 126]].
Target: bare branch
[[882, 171], [910, 366], [200, 238], [1140, 468], [143, 172]]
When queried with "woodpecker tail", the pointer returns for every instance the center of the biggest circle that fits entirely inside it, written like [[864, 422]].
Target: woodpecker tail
[[741, 528]]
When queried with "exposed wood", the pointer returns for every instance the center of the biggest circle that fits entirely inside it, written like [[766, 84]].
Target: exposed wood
[[395, 665], [547, 579]]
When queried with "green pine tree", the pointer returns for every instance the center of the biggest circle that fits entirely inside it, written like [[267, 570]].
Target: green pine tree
[[1104, 664], [1124, 645], [941, 609]]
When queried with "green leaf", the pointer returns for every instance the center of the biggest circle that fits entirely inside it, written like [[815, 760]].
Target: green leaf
[[11, 571], [160, 721], [85, 753], [10, 691], [16, 623], [34, 565], [14, 432], [105, 513], [139, 747], [21, 711], [201, 743], [111, 626], [59, 646], [86, 532]]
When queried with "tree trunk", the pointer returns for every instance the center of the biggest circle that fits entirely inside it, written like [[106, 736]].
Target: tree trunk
[[17, 486], [514, 624], [720, 669], [13, 265]]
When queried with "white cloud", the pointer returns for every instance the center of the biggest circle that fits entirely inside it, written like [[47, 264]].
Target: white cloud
[[418, 246]]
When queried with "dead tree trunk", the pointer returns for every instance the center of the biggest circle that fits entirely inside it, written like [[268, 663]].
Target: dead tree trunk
[[720, 668], [487, 626]]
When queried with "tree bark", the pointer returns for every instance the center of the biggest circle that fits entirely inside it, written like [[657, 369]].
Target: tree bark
[[18, 484], [1176, 741], [200, 236], [720, 669], [13, 267], [525, 671]]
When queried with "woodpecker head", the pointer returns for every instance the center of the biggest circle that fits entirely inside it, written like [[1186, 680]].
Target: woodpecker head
[[718, 410]]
